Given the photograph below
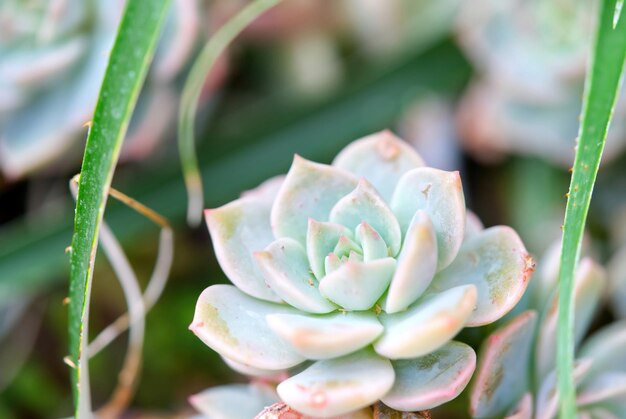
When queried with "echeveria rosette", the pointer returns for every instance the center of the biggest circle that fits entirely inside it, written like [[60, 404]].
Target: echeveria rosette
[[364, 267], [516, 377]]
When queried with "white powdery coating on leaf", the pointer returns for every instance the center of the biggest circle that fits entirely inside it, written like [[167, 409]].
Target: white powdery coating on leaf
[[338, 386], [429, 381], [496, 262], [381, 158], [440, 195], [233, 324], [237, 230]]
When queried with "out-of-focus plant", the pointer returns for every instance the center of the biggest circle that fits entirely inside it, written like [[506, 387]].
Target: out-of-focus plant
[[531, 58], [516, 377], [376, 271], [54, 55], [388, 28]]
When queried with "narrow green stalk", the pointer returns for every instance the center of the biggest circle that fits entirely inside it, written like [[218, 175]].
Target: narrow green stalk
[[128, 64], [601, 87], [191, 93]]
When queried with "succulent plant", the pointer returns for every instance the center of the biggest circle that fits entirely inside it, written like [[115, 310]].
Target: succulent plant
[[54, 54], [515, 376], [367, 268], [530, 58]]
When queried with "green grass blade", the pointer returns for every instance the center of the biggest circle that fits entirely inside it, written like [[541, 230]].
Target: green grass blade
[[191, 93], [128, 64], [601, 87]]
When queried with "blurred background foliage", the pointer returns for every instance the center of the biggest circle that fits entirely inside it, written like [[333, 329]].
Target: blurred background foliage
[[492, 89]]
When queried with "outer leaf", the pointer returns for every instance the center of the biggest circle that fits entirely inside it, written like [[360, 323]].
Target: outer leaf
[[329, 336], [238, 229], [339, 385], [524, 409], [427, 325], [429, 381], [588, 288], [605, 348], [233, 324], [496, 261], [128, 64], [502, 374], [601, 86]]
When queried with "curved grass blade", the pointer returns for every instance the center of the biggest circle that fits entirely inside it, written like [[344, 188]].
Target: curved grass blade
[[128, 64], [191, 94], [601, 87]]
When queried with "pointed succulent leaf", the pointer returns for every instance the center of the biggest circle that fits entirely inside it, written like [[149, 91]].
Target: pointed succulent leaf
[[285, 267], [523, 409], [588, 288], [233, 324], [310, 190], [502, 374], [234, 401], [382, 158], [440, 194], [326, 336], [473, 225], [358, 285], [431, 380], [340, 385], [426, 325], [250, 370], [417, 264], [496, 262], [364, 204], [321, 239], [237, 230], [345, 246], [606, 349], [603, 388], [332, 263], [372, 244]]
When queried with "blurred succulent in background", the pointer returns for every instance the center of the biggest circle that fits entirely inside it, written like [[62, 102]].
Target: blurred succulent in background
[[515, 376], [53, 56], [530, 57], [367, 268], [386, 28]]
